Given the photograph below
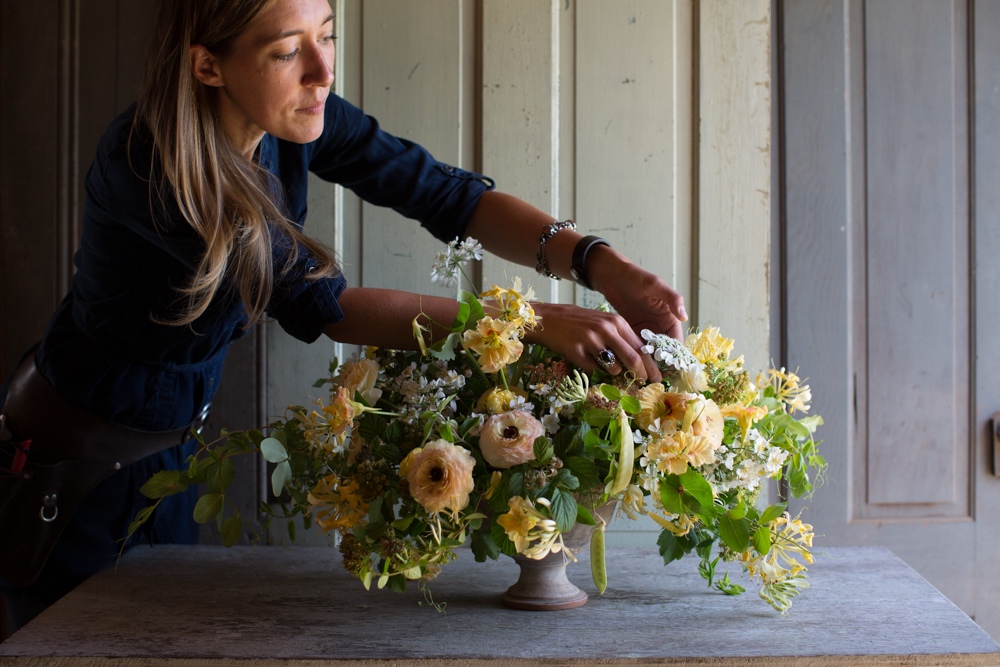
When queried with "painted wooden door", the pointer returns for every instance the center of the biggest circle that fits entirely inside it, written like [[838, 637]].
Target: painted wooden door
[[891, 110]]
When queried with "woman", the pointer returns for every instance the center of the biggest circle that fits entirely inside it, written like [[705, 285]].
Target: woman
[[192, 233]]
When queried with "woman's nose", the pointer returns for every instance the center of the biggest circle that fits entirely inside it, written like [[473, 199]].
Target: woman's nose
[[320, 69]]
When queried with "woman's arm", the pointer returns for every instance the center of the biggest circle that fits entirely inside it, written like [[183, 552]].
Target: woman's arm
[[510, 228], [384, 318]]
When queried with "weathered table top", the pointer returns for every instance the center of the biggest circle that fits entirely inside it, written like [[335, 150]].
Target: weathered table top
[[187, 606]]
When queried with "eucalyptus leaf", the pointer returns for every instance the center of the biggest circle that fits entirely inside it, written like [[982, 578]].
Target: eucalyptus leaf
[[281, 476], [273, 451]]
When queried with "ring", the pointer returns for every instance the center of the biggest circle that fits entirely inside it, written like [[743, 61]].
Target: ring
[[605, 358]]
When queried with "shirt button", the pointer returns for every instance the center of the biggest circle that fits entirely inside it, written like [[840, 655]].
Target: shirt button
[[449, 169]]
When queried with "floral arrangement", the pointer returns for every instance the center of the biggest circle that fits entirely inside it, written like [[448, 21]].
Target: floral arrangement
[[482, 438]]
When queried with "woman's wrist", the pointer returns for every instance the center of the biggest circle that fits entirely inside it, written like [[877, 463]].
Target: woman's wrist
[[602, 263]]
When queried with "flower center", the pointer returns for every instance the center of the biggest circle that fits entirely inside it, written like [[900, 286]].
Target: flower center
[[436, 474], [510, 432]]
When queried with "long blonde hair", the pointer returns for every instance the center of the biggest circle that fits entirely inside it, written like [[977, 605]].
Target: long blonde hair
[[226, 198]]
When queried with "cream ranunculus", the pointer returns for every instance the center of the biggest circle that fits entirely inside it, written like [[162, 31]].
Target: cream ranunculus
[[498, 399], [360, 376], [508, 439], [440, 476]]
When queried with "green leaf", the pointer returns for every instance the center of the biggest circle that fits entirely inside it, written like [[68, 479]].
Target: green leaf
[[687, 494], [566, 480], [232, 528], [475, 309], [483, 546], [141, 517], [584, 516], [563, 510], [772, 513], [208, 507], [735, 533], [611, 392], [631, 405], [584, 470], [444, 349], [281, 476], [737, 512], [543, 450], [162, 484], [273, 450], [672, 547], [220, 475], [597, 417], [762, 540]]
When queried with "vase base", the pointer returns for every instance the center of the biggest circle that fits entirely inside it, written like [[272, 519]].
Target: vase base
[[543, 604], [543, 586]]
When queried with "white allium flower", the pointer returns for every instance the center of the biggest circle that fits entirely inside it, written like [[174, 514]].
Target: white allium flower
[[448, 263]]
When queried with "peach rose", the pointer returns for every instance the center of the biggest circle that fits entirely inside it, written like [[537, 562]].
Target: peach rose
[[360, 376]]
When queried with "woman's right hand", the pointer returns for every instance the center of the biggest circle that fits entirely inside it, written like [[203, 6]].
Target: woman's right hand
[[579, 334]]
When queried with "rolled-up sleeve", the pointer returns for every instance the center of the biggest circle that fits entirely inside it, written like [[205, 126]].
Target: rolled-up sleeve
[[303, 306], [386, 170]]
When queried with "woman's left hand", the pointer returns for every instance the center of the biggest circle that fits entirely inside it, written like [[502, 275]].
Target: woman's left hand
[[644, 299], [581, 334]]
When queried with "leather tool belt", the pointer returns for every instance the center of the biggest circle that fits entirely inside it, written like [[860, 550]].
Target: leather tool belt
[[53, 453]]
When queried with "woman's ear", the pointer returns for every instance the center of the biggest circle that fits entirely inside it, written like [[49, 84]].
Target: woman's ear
[[203, 66]]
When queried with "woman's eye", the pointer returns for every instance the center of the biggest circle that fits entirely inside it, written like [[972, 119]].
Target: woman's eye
[[326, 39], [285, 57]]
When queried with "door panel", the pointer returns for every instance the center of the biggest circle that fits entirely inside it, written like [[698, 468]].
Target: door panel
[[880, 304]]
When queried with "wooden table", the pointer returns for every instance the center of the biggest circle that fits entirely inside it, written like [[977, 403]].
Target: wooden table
[[211, 606]]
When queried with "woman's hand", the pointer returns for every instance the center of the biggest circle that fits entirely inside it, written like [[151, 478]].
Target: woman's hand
[[579, 334], [645, 300]]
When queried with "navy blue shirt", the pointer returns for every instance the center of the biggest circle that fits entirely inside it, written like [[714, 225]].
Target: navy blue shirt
[[102, 348]]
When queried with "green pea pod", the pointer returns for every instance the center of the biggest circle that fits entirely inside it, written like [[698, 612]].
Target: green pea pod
[[626, 454], [598, 563]]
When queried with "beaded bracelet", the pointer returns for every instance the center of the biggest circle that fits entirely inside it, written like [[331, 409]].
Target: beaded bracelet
[[548, 232]]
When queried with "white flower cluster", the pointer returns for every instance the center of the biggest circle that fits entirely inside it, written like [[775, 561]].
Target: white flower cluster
[[426, 387], [669, 352], [745, 463], [449, 262]]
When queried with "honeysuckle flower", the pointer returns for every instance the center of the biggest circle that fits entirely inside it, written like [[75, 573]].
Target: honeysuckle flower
[[360, 376], [496, 342], [659, 406], [511, 306], [508, 439], [337, 504], [788, 388], [534, 534], [329, 428], [678, 524], [708, 346], [440, 476]]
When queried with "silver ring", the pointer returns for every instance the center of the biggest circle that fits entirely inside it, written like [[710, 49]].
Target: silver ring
[[605, 358]]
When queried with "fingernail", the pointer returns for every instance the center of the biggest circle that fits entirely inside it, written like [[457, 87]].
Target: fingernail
[[682, 313]]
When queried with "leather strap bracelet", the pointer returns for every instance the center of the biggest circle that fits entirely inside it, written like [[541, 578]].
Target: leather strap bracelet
[[548, 232], [578, 268]]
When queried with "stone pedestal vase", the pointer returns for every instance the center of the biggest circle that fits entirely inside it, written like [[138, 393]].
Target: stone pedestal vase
[[543, 584]]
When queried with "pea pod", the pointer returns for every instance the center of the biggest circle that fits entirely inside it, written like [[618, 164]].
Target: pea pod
[[598, 563], [626, 454]]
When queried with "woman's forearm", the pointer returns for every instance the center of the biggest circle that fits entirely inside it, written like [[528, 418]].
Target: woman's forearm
[[511, 228], [384, 317]]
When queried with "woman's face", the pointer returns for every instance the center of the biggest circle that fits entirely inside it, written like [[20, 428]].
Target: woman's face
[[278, 75]]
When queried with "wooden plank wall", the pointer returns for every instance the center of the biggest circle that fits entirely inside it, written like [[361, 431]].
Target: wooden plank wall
[[645, 120]]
